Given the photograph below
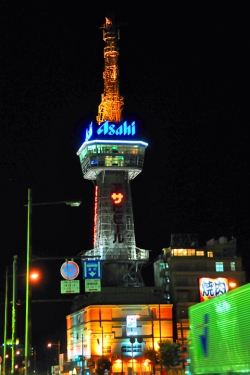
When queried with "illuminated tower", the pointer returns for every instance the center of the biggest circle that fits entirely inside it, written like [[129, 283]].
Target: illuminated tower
[[111, 156]]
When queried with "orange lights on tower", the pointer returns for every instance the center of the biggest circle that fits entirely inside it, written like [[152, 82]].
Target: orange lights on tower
[[111, 105]]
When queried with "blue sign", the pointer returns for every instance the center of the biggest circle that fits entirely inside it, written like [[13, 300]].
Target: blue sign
[[92, 269], [110, 130]]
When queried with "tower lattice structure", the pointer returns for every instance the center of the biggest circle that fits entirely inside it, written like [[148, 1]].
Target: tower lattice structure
[[111, 156], [110, 108]]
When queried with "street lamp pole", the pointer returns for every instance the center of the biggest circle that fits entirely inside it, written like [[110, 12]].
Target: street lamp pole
[[27, 311], [59, 351], [151, 317], [5, 321], [29, 251], [13, 338]]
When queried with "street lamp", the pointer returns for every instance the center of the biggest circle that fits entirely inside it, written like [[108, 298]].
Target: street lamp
[[28, 254], [50, 344]]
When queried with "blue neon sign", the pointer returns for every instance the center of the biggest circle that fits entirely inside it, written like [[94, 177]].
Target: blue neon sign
[[111, 130]]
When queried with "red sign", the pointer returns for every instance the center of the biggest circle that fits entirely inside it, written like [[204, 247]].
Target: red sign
[[117, 197], [69, 270]]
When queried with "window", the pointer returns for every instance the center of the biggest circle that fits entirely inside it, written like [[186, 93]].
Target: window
[[232, 266], [114, 160], [219, 266], [183, 252], [200, 253], [92, 148], [210, 254]]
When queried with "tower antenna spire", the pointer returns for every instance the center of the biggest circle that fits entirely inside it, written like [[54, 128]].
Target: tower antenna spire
[[110, 108]]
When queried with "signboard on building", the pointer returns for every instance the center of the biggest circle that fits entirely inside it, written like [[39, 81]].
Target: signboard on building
[[69, 270], [93, 285], [70, 286], [107, 130], [210, 288], [131, 324], [92, 269], [131, 321]]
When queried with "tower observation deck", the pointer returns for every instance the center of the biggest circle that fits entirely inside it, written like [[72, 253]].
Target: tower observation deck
[[111, 156]]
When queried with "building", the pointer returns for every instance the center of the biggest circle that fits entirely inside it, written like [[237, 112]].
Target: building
[[111, 156], [189, 274], [219, 334], [119, 332], [100, 323]]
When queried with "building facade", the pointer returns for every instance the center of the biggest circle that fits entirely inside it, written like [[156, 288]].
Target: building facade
[[189, 274], [119, 332]]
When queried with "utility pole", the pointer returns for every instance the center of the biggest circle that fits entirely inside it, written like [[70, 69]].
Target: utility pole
[[13, 338], [27, 300], [5, 321]]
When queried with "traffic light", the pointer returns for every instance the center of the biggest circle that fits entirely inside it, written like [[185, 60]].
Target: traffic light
[[132, 340], [139, 339], [177, 355]]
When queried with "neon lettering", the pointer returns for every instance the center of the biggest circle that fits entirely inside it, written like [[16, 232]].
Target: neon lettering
[[103, 128], [89, 132], [117, 198], [113, 129]]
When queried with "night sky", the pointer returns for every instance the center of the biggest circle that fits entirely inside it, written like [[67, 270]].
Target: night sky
[[184, 70]]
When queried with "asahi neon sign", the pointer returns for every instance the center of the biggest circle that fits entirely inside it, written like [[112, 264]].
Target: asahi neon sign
[[109, 129]]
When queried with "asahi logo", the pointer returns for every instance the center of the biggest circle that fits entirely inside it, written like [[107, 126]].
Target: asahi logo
[[89, 132], [109, 129], [112, 129]]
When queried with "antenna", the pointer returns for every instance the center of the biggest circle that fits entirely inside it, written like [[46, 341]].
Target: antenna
[[110, 108]]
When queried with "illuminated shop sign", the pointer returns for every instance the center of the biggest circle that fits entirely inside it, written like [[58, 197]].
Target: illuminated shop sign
[[111, 130], [210, 288], [131, 321]]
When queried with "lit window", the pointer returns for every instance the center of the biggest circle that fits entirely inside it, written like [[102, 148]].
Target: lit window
[[108, 161], [200, 253], [219, 266], [183, 252], [232, 266], [210, 254]]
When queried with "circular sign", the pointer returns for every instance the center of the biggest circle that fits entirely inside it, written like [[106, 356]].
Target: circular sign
[[69, 270]]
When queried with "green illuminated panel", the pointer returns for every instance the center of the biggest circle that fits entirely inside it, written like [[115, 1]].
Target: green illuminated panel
[[219, 338]]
